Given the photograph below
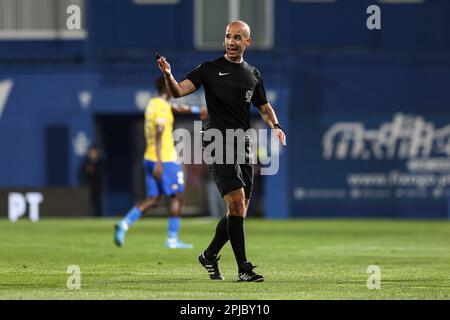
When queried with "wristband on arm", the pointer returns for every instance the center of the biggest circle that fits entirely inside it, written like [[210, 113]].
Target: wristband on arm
[[278, 126]]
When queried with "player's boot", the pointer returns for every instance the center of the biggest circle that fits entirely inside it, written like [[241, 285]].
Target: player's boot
[[248, 275], [119, 233], [178, 244], [211, 266]]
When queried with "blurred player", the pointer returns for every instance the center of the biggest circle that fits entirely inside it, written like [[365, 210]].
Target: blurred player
[[91, 176], [163, 172], [231, 85]]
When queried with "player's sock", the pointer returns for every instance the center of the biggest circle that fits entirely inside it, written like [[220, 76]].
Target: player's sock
[[173, 227], [219, 240], [237, 238], [132, 216]]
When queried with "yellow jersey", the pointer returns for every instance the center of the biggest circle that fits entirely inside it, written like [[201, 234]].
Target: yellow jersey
[[159, 112]]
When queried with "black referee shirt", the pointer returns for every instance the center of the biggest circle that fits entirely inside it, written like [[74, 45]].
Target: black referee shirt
[[230, 88]]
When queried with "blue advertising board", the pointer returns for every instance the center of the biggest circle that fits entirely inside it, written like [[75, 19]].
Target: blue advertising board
[[372, 137]]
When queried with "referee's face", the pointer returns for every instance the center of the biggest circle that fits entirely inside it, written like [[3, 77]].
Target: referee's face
[[236, 41]]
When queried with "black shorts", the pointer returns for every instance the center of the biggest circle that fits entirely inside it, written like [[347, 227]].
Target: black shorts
[[229, 177], [232, 176]]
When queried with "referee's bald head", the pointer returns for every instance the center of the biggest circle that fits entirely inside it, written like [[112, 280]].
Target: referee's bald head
[[243, 26]]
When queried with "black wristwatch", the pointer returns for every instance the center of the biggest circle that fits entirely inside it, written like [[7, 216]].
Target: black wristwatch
[[277, 125]]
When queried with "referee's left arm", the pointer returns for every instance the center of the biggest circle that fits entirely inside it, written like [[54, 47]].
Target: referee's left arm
[[269, 117]]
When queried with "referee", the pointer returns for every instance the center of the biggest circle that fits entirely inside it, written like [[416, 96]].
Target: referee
[[231, 85]]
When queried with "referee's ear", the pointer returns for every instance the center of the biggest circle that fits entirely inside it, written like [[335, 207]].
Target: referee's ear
[[248, 42]]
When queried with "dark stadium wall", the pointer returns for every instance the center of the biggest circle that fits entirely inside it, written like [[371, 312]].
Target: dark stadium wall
[[340, 25], [121, 31]]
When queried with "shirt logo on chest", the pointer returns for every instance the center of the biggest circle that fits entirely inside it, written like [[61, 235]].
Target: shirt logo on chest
[[248, 95], [223, 74]]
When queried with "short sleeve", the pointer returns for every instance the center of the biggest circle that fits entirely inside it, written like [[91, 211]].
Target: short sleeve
[[196, 76], [162, 116], [259, 96]]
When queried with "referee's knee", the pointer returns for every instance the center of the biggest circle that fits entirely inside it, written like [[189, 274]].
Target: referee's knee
[[236, 204]]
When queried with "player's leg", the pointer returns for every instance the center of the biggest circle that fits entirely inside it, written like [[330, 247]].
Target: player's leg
[[220, 174], [234, 183], [238, 201], [174, 224], [219, 240], [172, 184], [210, 257], [226, 179], [131, 217], [153, 197], [238, 207]]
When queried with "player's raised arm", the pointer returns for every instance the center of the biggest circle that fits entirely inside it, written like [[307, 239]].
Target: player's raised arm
[[270, 118], [185, 109], [176, 89]]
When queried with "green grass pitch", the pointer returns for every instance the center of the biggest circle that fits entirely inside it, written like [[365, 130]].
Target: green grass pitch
[[300, 259]]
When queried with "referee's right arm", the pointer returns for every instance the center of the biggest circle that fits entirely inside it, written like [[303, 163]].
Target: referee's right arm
[[176, 89]]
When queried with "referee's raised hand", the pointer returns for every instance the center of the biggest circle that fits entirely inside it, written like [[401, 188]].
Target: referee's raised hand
[[176, 89], [164, 66]]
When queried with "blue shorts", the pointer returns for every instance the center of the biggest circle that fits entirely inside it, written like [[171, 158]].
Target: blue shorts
[[172, 180]]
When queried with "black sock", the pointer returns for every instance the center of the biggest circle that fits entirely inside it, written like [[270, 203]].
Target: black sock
[[219, 240], [237, 238]]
